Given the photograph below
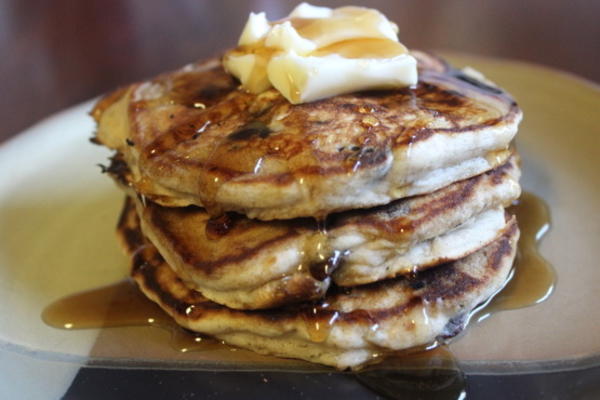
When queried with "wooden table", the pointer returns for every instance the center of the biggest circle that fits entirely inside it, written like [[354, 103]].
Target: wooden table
[[61, 52]]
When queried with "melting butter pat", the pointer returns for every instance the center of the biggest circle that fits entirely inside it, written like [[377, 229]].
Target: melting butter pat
[[319, 52]]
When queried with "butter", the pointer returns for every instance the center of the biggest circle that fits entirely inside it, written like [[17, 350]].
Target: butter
[[284, 37], [305, 10], [251, 70], [319, 52], [256, 28]]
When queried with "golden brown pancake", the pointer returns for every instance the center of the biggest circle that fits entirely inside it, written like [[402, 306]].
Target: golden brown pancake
[[331, 231], [251, 264], [349, 326], [194, 137]]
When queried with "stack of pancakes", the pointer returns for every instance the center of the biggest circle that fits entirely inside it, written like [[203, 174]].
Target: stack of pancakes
[[332, 231]]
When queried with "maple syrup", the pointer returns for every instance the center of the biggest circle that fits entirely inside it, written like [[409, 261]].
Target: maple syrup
[[319, 322], [533, 278], [345, 23], [321, 259], [430, 372], [121, 304], [217, 227], [364, 48], [433, 372], [117, 305]]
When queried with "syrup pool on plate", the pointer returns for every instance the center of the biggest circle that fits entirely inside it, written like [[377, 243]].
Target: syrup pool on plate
[[431, 370]]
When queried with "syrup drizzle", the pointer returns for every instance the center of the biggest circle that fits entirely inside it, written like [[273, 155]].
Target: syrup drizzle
[[259, 145], [319, 322], [217, 227], [431, 372], [117, 305], [533, 278], [322, 259]]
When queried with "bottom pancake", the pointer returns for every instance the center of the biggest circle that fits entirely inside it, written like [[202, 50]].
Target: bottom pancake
[[347, 328]]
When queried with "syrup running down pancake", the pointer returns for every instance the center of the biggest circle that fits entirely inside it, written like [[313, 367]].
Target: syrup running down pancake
[[194, 137], [251, 264], [335, 230], [349, 326]]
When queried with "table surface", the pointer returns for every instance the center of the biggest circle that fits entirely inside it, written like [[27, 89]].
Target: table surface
[[61, 52]]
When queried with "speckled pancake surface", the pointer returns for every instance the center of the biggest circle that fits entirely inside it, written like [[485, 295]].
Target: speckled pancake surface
[[349, 326], [194, 137], [252, 264]]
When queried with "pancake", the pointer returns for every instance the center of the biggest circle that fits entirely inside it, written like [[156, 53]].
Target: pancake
[[348, 327], [193, 137], [250, 264]]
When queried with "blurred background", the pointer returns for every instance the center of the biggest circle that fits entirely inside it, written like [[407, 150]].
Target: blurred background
[[58, 53]]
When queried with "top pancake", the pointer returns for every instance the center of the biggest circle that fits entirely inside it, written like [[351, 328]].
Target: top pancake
[[194, 137]]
